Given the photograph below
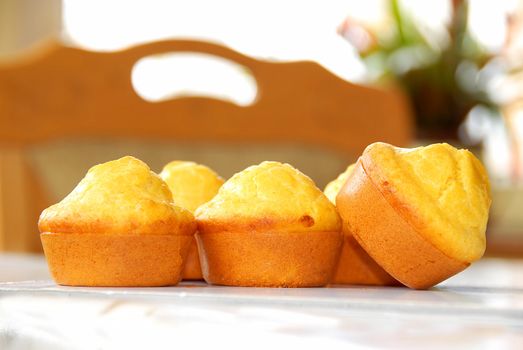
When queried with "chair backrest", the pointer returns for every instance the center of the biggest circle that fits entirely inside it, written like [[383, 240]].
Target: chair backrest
[[62, 92]]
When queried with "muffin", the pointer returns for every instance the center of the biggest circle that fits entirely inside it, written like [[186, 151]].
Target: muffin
[[420, 213], [355, 265], [118, 227], [191, 185], [269, 226]]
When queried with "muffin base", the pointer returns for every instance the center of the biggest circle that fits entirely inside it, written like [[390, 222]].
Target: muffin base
[[103, 260], [269, 259], [357, 267], [391, 241], [192, 269]]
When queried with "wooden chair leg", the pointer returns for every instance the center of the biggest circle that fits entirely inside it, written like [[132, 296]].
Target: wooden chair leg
[[20, 196]]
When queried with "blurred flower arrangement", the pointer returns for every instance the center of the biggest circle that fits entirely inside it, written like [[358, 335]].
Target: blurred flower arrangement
[[427, 65], [445, 71]]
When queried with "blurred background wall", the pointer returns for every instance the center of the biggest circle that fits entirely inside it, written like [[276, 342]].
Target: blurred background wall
[[457, 62], [26, 22]]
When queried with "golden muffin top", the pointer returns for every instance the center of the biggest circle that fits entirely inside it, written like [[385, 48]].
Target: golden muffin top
[[191, 184], [270, 195], [119, 197], [443, 192], [333, 188]]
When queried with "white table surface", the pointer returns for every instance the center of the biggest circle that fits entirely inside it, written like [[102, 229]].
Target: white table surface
[[481, 308]]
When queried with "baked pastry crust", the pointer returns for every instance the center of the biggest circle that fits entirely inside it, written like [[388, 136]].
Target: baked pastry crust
[[269, 259], [333, 188], [110, 260], [391, 210], [118, 227], [120, 196], [269, 196], [192, 185], [269, 225], [355, 266]]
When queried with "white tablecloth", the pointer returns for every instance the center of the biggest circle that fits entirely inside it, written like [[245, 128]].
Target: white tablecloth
[[479, 308]]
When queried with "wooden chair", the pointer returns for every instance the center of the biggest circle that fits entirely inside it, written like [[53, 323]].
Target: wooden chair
[[61, 91]]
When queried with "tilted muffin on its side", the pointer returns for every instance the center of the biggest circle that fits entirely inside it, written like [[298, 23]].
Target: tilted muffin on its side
[[333, 188], [269, 225], [192, 185], [118, 227], [420, 213], [355, 265]]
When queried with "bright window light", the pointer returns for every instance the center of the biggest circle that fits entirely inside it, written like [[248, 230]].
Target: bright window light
[[271, 29], [487, 22], [162, 77]]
